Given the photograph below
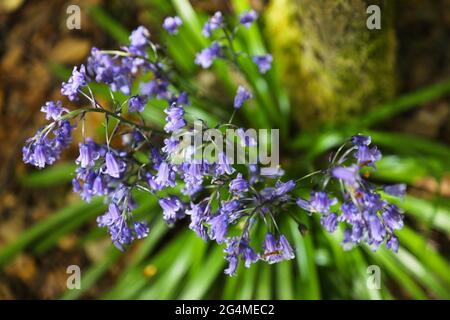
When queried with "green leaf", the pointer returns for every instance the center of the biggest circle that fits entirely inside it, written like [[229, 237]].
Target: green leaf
[[52, 176], [40, 229], [109, 24]]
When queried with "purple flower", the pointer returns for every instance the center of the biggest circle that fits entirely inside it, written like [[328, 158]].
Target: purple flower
[[397, 190], [276, 251], [41, 150], [165, 176], [218, 227], [137, 103], [247, 18], [88, 154], [242, 95], [223, 166], [350, 212], [233, 249], [157, 88], [238, 185], [376, 229], [77, 80], [139, 39], [392, 243], [212, 24], [282, 188], [357, 231], [392, 217], [98, 187], [247, 140], [173, 208], [264, 62], [174, 118], [171, 24], [319, 202], [198, 214], [140, 229], [350, 175], [329, 222], [360, 140], [110, 217], [366, 156], [183, 98], [114, 167], [206, 57], [53, 110], [106, 70]]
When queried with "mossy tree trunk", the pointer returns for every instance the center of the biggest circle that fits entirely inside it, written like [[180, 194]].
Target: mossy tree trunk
[[333, 66]]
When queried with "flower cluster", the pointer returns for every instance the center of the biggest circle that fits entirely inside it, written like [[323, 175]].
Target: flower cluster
[[224, 203], [367, 216]]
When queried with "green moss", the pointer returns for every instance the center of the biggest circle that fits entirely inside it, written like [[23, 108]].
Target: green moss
[[333, 66]]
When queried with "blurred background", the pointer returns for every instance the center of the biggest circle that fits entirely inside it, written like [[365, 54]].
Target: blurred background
[[331, 78]]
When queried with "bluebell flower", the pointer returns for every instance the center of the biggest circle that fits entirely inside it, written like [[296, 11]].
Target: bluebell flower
[[155, 88], [165, 176], [137, 103], [175, 120], [319, 202], [140, 229], [89, 152], [360, 140], [350, 175], [392, 217], [53, 110], [183, 99], [246, 140], [218, 226], [223, 165], [329, 222], [113, 166], [199, 213], [139, 38], [350, 212], [41, 150], [263, 62], [75, 82], [213, 23], [98, 187], [238, 185], [376, 229], [242, 95], [170, 145], [276, 251], [247, 17], [110, 217], [206, 57], [106, 70], [282, 188], [397, 190], [173, 208], [392, 243], [171, 24], [366, 156], [234, 249]]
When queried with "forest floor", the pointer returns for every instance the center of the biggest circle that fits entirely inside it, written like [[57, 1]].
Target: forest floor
[[33, 34]]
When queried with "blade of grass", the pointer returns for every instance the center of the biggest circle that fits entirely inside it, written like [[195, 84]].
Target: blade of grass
[[55, 175], [31, 235], [109, 24]]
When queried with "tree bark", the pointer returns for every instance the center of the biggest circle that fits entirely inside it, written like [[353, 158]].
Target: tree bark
[[334, 67]]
